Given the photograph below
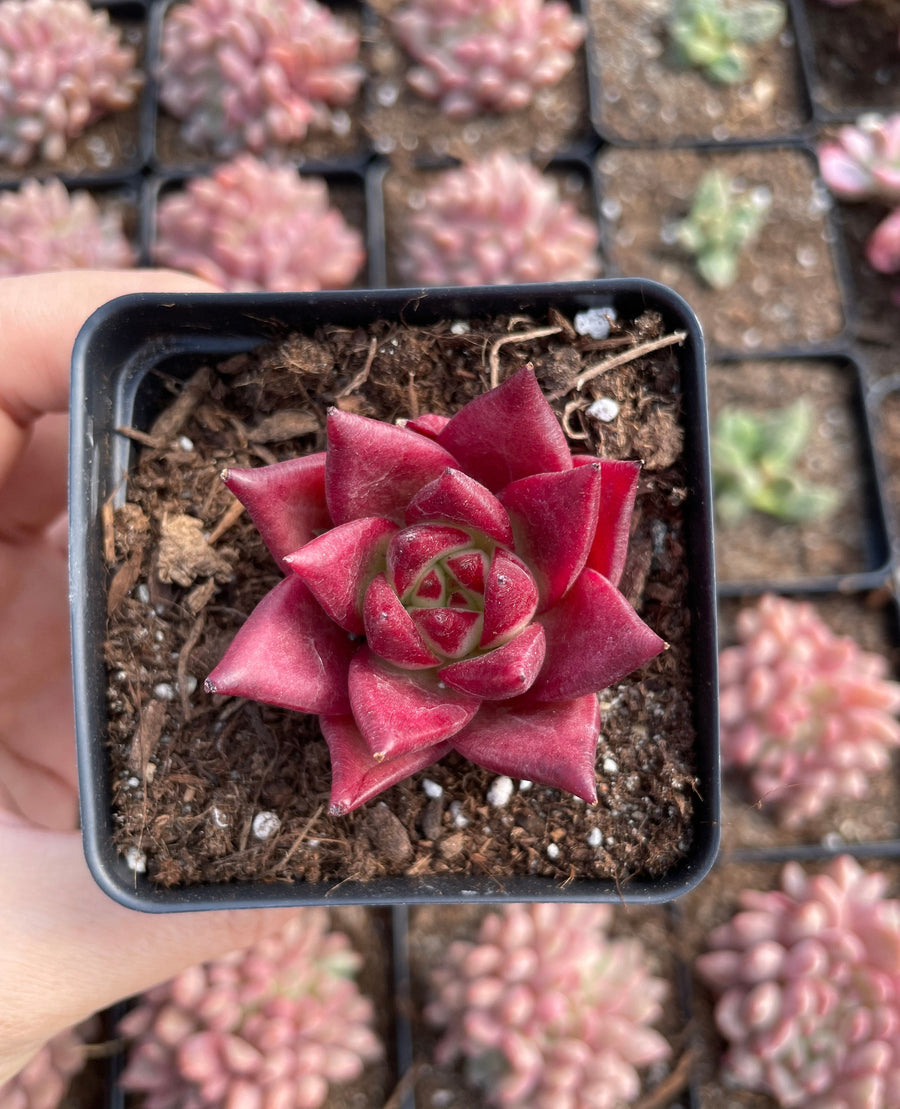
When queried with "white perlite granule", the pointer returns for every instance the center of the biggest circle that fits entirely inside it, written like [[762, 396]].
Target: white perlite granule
[[500, 792], [265, 824]]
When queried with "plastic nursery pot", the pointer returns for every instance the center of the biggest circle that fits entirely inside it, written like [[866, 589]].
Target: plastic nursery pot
[[137, 352]]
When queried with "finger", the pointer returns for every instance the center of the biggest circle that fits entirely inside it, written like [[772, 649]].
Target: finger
[[35, 489], [66, 950], [40, 316]]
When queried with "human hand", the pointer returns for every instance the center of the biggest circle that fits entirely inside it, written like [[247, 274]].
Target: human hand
[[66, 950]]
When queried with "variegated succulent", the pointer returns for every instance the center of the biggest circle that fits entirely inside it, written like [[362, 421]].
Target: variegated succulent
[[806, 716], [807, 986], [549, 1011]]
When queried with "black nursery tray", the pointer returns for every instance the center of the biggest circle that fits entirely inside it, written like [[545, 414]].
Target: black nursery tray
[[119, 358]]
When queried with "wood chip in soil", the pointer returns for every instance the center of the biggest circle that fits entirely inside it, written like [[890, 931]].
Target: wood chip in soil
[[216, 763]]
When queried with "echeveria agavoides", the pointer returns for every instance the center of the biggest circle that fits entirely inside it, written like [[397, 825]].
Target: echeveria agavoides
[[450, 585]]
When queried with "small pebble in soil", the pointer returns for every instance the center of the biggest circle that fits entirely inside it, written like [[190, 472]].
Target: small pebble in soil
[[605, 409], [594, 322], [459, 327], [432, 789], [459, 818], [136, 860], [552, 852], [595, 838], [525, 785], [143, 594], [186, 444], [610, 766], [164, 691], [265, 824], [500, 792], [133, 782]]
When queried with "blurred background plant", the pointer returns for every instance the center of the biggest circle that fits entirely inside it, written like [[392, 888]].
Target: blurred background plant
[[713, 35], [63, 65], [251, 227], [723, 220], [45, 227], [755, 465]]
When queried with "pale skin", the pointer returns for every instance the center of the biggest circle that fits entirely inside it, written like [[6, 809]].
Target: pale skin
[[66, 950]]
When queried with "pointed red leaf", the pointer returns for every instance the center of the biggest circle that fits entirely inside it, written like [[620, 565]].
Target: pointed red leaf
[[429, 593], [505, 672], [553, 744], [453, 632], [398, 711], [456, 498], [356, 776], [413, 549], [390, 632], [339, 565], [506, 434], [286, 501], [594, 638], [288, 653], [428, 424], [510, 598], [470, 569], [554, 519], [375, 469], [618, 488]]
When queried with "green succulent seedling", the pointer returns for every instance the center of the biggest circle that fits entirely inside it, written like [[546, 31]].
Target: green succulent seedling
[[754, 465], [721, 222], [713, 35]]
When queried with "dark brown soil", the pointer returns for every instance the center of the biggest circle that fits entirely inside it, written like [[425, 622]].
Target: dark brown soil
[[870, 620], [643, 97], [191, 771], [856, 55], [761, 548], [433, 927], [112, 146], [403, 194], [887, 438], [875, 317], [786, 293], [407, 127]]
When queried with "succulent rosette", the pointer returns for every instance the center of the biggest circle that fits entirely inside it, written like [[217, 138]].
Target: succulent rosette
[[450, 585]]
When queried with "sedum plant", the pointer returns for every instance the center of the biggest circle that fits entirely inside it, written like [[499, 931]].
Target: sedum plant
[[256, 74], [270, 1026], [487, 55], [45, 1079], [807, 716], [547, 1010], [44, 227], [713, 35], [253, 227], [450, 585], [496, 221], [62, 67], [754, 465], [722, 221], [807, 986]]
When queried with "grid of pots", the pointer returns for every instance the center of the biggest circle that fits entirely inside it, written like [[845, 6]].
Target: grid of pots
[[860, 578]]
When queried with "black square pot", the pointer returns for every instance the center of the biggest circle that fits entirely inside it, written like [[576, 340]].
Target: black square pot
[[124, 352]]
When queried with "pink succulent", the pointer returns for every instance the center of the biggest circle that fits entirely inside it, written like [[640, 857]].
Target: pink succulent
[[487, 55], [883, 247], [62, 66], [256, 227], [864, 162], [547, 1010], [806, 714], [496, 221], [807, 982], [44, 227], [269, 1027], [256, 74], [44, 1081], [451, 585]]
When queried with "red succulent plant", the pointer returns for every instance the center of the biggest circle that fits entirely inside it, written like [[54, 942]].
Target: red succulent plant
[[450, 585]]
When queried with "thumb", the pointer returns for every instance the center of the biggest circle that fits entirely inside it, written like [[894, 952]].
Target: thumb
[[67, 950]]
